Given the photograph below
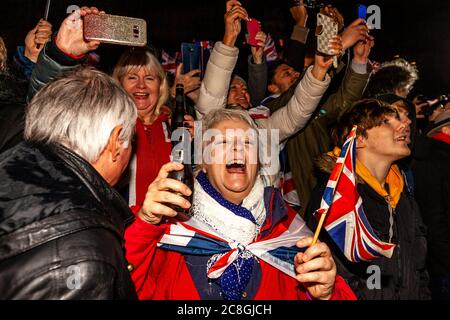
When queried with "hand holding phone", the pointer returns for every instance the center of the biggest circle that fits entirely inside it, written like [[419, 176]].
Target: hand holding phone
[[70, 38], [253, 27]]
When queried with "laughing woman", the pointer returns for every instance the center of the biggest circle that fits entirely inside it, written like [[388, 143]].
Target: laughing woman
[[143, 78], [239, 241]]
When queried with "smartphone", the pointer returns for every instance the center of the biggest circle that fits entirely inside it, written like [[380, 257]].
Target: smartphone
[[115, 29], [253, 27], [327, 28], [195, 56], [362, 11], [191, 57]]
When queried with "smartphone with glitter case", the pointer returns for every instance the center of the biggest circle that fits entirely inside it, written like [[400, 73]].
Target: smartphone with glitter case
[[115, 29]]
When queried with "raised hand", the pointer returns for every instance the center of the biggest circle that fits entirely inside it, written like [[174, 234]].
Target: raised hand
[[161, 191], [258, 52], [362, 49], [315, 269], [300, 14], [39, 35], [323, 62], [333, 12], [356, 31], [190, 81], [233, 16], [70, 35]]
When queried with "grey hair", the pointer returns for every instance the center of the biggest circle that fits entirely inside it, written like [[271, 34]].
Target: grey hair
[[219, 115], [215, 117], [80, 111], [135, 58]]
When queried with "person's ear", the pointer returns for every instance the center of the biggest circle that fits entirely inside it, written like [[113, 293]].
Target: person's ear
[[360, 142], [114, 144], [273, 88]]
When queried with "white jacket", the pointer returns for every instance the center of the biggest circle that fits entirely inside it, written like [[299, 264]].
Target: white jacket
[[288, 120]]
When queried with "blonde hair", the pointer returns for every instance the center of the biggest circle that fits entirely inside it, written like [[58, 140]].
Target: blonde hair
[[136, 58]]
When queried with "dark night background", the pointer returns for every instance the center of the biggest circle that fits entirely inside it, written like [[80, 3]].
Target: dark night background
[[416, 30]]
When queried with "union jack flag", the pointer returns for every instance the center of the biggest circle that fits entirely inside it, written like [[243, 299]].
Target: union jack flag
[[287, 184], [169, 63], [270, 50], [345, 220], [277, 248]]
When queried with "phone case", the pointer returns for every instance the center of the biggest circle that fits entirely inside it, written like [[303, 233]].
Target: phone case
[[329, 30], [253, 27], [191, 56], [362, 11], [195, 56], [115, 29]]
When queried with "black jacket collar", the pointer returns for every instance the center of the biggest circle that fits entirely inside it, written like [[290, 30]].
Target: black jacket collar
[[47, 192]]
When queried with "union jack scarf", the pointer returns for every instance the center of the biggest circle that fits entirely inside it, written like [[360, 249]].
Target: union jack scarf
[[276, 232]]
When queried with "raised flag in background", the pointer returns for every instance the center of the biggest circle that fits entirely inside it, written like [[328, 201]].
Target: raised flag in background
[[270, 50]]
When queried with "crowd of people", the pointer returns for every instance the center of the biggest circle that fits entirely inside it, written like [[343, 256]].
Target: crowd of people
[[87, 202]]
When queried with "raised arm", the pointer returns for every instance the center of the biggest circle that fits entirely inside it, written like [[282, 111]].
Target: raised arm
[[215, 85], [64, 52], [308, 93]]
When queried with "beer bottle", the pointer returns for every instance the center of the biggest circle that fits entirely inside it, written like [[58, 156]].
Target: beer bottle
[[181, 147]]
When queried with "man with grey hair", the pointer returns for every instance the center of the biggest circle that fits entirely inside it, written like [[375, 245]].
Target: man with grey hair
[[61, 223]]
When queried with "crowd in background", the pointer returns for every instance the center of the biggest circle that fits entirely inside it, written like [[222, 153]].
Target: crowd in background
[[85, 160]]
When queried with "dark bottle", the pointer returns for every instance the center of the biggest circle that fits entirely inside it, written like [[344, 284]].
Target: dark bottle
[[181, 147]]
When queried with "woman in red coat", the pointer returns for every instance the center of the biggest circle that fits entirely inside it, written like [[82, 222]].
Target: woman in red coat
[[240, 240]]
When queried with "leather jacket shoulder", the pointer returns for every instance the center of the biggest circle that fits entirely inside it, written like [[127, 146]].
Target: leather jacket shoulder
[[61, 228]]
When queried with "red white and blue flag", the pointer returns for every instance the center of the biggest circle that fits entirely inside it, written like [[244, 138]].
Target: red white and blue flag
[[270, 51], [169, 63], [277, 248], [287, 183], [345, 220]]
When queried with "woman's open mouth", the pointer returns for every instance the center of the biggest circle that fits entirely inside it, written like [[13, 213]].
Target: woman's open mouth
[[236, 166]]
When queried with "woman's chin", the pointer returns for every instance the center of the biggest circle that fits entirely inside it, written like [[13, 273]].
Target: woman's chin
[[236, 187]]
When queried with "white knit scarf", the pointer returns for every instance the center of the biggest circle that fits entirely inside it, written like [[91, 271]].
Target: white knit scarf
[[228, 225]]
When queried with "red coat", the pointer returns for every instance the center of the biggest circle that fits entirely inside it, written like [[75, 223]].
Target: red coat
[[153, 149], [163, 275]]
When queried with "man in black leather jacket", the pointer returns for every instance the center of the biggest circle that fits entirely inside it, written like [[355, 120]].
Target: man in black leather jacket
[[61, 223]]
